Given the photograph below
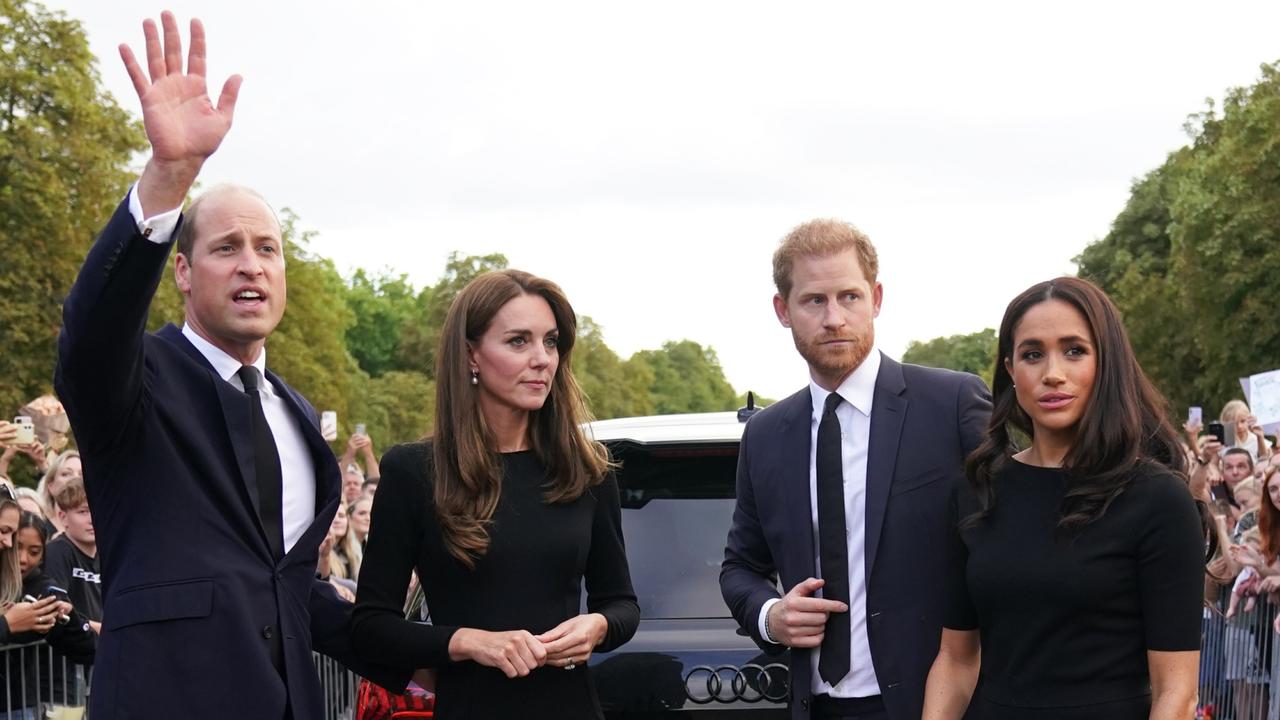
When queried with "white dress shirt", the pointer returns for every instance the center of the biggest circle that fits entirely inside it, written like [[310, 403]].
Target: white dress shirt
[[297, 469], [854, 414]]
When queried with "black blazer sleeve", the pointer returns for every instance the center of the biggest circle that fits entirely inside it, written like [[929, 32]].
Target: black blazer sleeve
[[104, 319], [973, 412], [748, 575]]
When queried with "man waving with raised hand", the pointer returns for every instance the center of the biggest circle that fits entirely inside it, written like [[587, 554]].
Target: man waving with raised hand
[[210, 485]]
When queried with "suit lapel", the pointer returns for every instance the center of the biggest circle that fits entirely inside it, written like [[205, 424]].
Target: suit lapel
[[327, 479], [888, 411], [235, 415], [793, 471]]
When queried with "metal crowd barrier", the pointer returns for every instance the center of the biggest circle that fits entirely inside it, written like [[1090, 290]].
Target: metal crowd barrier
[[38, 684], [338, 686], [1239, 662], [1239, 670]]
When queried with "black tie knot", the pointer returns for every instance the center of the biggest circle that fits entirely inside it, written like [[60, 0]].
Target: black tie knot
[[833, 401], [250, 378]]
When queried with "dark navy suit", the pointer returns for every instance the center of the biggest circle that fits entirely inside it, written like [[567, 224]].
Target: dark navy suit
[[193, 599], [924, 422]]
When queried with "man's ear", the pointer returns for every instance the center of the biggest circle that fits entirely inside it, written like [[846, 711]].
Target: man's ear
[[182, 273], [781, 310]]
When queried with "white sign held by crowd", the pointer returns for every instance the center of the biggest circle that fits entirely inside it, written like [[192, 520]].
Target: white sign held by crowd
[[1263, 393]]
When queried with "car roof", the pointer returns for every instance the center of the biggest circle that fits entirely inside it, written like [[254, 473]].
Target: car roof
[[688, 427]]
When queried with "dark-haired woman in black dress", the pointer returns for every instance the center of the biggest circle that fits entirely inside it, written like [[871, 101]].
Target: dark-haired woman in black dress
[[1077, 564]]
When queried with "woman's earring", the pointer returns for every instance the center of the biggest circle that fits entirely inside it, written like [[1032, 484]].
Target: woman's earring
[[475, 378]]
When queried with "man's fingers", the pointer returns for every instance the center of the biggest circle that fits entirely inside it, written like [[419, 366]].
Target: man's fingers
[[140, 81], [155, 54], [172, 44], [808, 628], [196, 56], [804, 619], [806, 587], [813, 604], [227, 100], [807, 641]]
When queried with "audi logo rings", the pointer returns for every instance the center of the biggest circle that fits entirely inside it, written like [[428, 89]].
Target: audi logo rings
[[748, 683]]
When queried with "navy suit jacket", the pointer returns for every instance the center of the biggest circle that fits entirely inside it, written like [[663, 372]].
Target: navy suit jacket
[[924, 421], [192, 596]]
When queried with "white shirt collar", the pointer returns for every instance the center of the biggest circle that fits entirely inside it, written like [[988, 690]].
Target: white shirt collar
[[858, 389], [225, 365]]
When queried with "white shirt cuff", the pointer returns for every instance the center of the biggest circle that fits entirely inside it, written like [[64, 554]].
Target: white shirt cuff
[[764, 614], [158, 228]]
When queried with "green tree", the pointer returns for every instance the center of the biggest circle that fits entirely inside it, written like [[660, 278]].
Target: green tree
[[973, 353], [1189, 261], [421, 331], [1134, 263], [383, 306], [396, 407], [603, 376], [687, 378], [65, 147], [1225, 232]]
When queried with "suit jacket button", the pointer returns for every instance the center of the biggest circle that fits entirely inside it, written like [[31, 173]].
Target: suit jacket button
[[267, 632], [804, 705]]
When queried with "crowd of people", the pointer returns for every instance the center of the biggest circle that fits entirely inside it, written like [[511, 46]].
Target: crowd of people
[[902, 530], [1240, 481]]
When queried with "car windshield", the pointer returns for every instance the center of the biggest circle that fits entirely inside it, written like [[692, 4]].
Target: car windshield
[[677, 503]]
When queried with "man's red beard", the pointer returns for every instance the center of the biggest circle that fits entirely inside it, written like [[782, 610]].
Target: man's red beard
[[837, 360]]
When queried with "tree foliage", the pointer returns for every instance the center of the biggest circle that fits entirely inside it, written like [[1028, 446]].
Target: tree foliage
[[1191, 259], [383, 307], [364, 346], [421, 331], [65, 147], [973, 353], [687, 378]]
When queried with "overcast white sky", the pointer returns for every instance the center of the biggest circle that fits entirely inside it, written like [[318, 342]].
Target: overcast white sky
[[648, 156]]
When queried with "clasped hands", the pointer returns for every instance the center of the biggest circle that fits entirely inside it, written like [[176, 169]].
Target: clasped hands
[[519, 652]]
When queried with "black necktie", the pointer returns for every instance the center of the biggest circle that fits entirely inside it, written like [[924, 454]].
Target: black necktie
[[833, 543], [266, 460]]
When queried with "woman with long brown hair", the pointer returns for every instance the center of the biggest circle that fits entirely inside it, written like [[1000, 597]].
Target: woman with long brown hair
[[503, 513], [1077, 562]]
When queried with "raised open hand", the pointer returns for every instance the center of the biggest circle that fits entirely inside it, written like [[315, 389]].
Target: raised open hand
[[182, 124]]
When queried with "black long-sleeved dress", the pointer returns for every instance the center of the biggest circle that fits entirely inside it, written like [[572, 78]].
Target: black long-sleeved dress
[[1066, 622], [530, 579]]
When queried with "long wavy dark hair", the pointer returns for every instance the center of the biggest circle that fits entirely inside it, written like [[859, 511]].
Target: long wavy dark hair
[[467, 468], [1124, 426]]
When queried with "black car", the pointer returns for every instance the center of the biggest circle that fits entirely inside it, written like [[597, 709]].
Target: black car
[[688, 655]]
